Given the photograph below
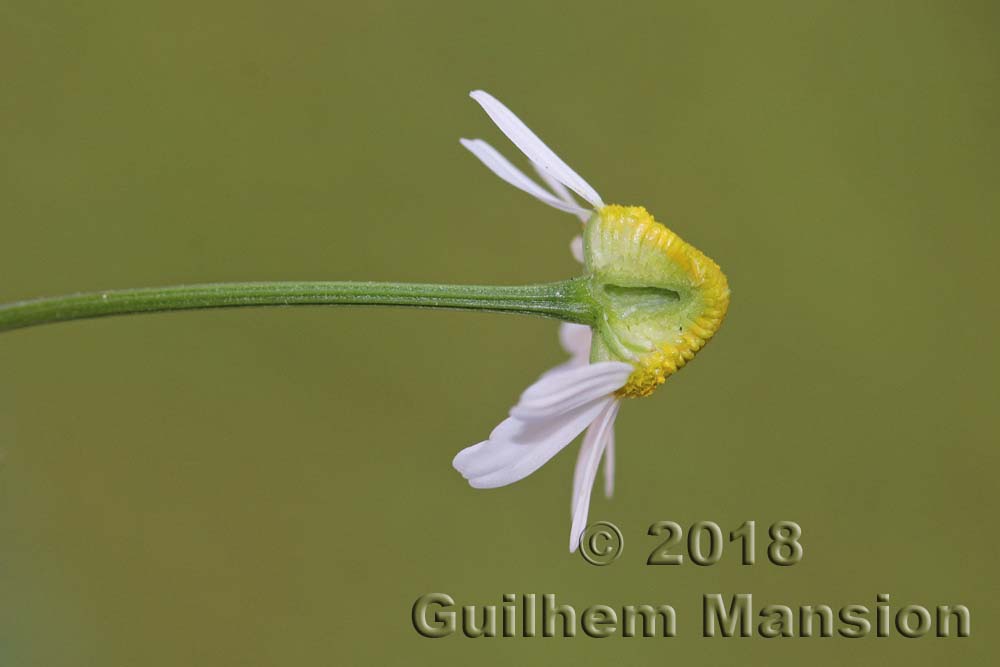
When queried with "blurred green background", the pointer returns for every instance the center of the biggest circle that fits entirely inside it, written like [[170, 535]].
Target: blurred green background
[[273, 487]]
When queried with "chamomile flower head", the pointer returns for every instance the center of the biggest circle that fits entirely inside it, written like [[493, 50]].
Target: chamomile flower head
[[656, 300]]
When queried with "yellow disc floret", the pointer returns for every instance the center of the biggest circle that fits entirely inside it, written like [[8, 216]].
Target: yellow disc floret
[[662, 298]]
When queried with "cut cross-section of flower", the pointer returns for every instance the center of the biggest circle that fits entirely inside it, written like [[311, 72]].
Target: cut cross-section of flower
[[657, 301]]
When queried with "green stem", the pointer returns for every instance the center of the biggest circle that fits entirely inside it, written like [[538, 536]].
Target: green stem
[[567, 300]]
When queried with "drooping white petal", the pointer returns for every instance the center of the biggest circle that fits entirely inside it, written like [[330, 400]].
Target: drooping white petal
[[609, 465], [570, 364], [563, 367], [517, 448], [588, 471], [576, 247], [557, 393], [550, 413], [588, 444], [560, 191], [500, 166], [575, 339], [534, 148]]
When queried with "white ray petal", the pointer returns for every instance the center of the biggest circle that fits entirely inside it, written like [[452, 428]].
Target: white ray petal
[[575, 339], [581, 509], [576, 248], [535, 148], [561, 191], [573, 362], [609, 465], [589, 442], [516, 448], [560, 392], [500, 166]]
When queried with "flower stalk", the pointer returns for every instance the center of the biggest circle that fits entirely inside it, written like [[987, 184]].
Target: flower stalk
[[567, 300]]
